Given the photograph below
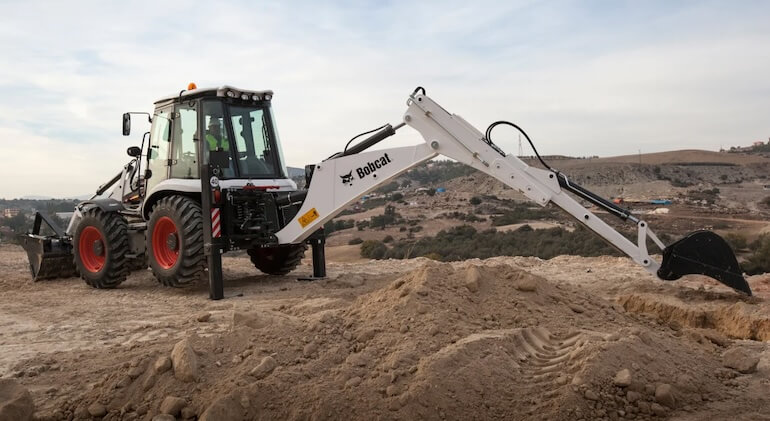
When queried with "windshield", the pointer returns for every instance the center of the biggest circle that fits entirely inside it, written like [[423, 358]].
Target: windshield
[[253, 147], [254, 143]]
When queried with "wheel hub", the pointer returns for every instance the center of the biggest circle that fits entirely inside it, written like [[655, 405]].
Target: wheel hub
[[98, 248], [172, 242]]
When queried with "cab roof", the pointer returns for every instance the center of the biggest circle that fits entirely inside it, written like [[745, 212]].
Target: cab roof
[[225, 91]]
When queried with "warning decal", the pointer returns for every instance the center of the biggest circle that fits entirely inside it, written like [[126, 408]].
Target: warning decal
[[308, 217]]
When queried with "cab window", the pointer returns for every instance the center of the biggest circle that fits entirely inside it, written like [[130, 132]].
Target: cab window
[[184, 156], [157, 156], [216, 136], [256, 158]]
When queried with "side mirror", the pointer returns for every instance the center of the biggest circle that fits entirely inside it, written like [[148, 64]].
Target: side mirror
[[134, 151], [126, 124]]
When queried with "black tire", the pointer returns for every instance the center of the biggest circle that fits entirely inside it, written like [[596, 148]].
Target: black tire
[[278, 260], [101, 261], [190, 263]]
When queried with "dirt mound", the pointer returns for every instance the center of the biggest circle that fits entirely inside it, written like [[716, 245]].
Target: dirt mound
[[480, 339]]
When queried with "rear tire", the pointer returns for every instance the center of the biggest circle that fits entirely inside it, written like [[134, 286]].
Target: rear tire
[[278, 260], [175, 241], [100, 245]]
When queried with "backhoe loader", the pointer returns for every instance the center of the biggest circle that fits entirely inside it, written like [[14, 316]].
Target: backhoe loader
[[210, 177]]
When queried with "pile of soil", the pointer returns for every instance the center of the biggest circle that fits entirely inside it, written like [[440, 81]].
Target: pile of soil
[[473, 340]]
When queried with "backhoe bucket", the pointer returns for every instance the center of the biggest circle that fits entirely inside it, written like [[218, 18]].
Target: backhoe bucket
[[49, 256], [703, 253]]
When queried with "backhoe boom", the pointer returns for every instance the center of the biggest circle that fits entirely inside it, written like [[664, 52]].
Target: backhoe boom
[[343, 178]]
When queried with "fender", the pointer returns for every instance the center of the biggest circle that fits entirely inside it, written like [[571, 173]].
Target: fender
[[105, 204]]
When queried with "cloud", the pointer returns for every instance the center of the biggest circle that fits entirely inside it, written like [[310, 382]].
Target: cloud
[[600, 78]]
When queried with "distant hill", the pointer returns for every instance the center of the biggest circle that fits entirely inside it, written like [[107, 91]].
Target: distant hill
[[687, 156]]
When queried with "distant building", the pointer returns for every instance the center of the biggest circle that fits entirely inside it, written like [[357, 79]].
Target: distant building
[[759, 143], [11, 212]]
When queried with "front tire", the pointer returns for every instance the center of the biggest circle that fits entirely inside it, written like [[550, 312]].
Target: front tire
[[278, 260], [175, 241], [100, 245]]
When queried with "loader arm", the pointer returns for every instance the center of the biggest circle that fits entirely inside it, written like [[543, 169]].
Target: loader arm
[[342, 179]]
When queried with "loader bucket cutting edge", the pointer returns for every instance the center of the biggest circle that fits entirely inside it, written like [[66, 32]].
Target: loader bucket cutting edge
[[703, 253], [49, 257]]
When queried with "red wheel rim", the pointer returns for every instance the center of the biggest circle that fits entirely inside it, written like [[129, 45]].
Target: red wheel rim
[[165, 242], [89, 245]]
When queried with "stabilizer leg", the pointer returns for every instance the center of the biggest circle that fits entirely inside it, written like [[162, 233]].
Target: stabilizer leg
[[318, 245]]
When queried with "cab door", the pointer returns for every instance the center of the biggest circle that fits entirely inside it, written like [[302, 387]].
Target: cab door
[[184, 145], [160, 142]]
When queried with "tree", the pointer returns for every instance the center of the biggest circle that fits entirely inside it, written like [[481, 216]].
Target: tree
[[17, 223], [373, 249], [388, 188]]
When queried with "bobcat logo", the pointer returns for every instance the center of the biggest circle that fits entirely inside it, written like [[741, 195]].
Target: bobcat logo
[[347, 178]]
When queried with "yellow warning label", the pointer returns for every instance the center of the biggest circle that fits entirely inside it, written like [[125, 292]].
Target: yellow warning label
[[308, 217]]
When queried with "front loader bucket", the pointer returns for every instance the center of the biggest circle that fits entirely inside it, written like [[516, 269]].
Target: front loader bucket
[[703, 253], [49, 256]]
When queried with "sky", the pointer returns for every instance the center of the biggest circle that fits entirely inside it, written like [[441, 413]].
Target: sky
[[582, 78]]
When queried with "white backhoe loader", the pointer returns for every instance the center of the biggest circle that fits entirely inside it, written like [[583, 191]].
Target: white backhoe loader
[[212, 179]]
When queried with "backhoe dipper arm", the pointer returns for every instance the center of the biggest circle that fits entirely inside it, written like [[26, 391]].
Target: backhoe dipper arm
[[342, 179]]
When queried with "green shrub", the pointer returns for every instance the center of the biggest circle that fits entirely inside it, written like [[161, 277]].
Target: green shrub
[[416, 228], [387, 239], [475, 200], [675, 182], [390, 217], [466, 217], [736, 241], [759, 261], [373, 249], [338, 225], [440, 172], [374, 203], [522, 212], [355, 241], [465, 242], [388, 188]]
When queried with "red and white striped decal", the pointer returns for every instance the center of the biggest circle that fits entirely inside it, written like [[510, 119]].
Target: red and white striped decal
[[216, 227]]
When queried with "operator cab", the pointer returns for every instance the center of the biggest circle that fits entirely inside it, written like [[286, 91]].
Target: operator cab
[[238, 124]]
